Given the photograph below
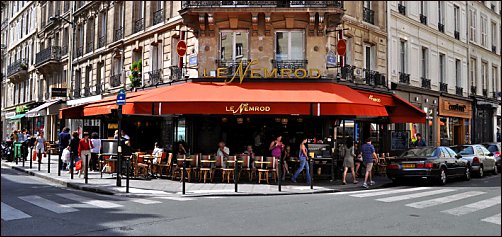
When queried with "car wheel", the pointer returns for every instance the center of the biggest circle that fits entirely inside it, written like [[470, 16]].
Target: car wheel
[[442, 177], [481, 172], [467, 174]]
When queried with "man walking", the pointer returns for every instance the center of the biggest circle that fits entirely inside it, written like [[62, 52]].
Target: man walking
[[64, 141], [420, 142], [368, 153]]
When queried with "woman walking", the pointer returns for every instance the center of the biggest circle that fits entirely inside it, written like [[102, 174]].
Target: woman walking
[[40, 143], [303, 162], [348, 159], [84, 151], [277, 147], [74, 150], [96, 149]]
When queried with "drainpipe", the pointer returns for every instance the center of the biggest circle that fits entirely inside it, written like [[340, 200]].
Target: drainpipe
[[467, 89]]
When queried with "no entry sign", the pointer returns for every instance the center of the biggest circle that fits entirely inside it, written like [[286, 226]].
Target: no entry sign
[[341, 47], [181, 48]]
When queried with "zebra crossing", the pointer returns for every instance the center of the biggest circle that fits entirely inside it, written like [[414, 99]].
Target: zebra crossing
[[414, 199]]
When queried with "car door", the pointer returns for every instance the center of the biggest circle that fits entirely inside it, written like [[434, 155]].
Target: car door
[[482, 157], [459, 163], [445, 157], [490, 160]]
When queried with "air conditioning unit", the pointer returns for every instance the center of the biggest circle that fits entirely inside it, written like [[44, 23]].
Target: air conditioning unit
[[358, 75]]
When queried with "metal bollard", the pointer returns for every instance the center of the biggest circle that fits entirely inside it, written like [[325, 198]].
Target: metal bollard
[[16, 156], [23, 155], [127, 175], [86, 168], [71, 165], [39, 158], [280, 173], [183, 177], [311, 173], [235, 173], [31, 158], [49, 161], [60, 163]]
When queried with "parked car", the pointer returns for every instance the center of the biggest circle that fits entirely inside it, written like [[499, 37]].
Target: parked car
[[480, 158], [435, 163], [495, 149]]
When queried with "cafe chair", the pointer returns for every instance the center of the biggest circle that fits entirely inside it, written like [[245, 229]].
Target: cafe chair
[[381, 166], [178, 171], [229, 169], [218, 166], [138, 165], [165, 165], [205, 168], [246, 167], [266, 169], [195, 165]]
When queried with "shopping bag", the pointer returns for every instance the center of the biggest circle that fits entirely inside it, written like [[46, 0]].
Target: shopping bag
[[78, 165], [34, 155]]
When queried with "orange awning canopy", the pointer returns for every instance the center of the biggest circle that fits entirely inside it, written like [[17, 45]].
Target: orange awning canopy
[[399, 110], [258, 98]]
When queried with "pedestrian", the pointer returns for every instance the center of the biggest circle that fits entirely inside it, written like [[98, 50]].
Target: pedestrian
[[302, 155], [358, 160], [420, 142], [116, 135], [64, 141], [223, 150], [84, 151], [277, 147], [40, 143], [13, 136], [348, 159], [286, 157], [368, 153], [125, 136], [23, 138], [96, 149], [74, 142], [181, 149]]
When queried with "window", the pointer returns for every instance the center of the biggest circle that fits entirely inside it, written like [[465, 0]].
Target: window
[[369, 57], [102, 30], [458, 72], [442, 70], [367, 4], [157, 52], [494, 35], [472, 25], [423, 8], [403, 56], [234, 45], [441, 9], [472, 71], [484, 75], [484, 34], [495, 79], [289, 45], [348, 53], [175, 59], [425, 62], [456, 16]]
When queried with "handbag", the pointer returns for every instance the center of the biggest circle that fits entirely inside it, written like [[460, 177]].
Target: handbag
[[78, 165]]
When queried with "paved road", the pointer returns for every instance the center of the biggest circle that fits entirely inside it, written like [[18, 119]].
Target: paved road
[[30, 206]]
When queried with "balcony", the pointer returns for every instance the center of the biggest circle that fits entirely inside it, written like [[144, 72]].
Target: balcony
[[64, 50], [485, 92], [98, 89], [76, 92], [115, 80], [158, 16], [155, 78], [89, 47], [457, 35], [261, 4], [473, 90], [443, 87], [374, 78], [426, 83], [423, 19], [459, 91], [18, 70], [368, 15], [347, 73], [48, 60], [402, 9], [80, 51], [404, 78], [119, 34], [87, 91], [494, 48], [176, 73], [232, 65], [139, 25], [288, 64], [441, 27], [102, 41]]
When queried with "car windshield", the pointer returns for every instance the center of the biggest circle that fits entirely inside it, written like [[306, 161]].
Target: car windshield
[[492, 148], [464, 150], [419, 152]]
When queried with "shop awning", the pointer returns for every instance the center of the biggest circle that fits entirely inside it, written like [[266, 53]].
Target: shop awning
[[17, 116], [36, 111], [399, 110], [258, 98]]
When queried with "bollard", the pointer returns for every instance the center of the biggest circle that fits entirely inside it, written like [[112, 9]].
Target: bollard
[[60, 163], [311, 173], [16, 154], [49, 161], [39, 158], [23, 155], [236, 169], [183, 177], [71, 165], [86, 167], [280, 173], [31, 158], [127, 175]]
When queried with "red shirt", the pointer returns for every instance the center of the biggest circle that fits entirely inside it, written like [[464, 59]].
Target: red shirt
[[83, 145]]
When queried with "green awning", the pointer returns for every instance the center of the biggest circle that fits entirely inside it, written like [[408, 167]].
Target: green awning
[[17, 116]]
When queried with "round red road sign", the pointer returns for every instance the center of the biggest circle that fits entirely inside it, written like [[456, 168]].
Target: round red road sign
[[181, 48], [341, 47]]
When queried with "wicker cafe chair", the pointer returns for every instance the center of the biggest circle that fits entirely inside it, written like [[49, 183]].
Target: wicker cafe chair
[[229, 169], [218, 166], [269, 168], [137, 161], [205, 168], [179, 168], [165, 165], [195, 165], [246, 167]]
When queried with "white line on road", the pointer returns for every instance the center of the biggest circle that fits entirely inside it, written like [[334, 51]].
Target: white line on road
[[443, 200], [493, 219], [363, 191], [389, 192], [414, 195], [96, 203], [177, 198], [10, 213], [458, 211], [48, 204], [145, 201]]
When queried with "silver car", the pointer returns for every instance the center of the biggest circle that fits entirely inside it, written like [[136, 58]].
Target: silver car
[[480, 159]]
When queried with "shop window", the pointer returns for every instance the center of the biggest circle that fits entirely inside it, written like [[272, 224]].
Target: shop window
[[233, 46]]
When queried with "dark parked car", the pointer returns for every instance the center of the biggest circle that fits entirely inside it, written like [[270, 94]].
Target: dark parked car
[[479, 157], [495, 149], [434, 163]]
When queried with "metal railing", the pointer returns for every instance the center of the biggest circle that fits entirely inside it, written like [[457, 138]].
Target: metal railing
[[401, 8], [17, 66], [155, 78], [289, 64], [368, 15], [347, 72], [426, 83], [139, 25], [457, 34], [4, 24], [404, 78], [473, 90], [99, 88], [232, 65], [200, 4], [423, 19], [76, 92], [441, 27], [158, 16], [90, 46], [494, 48], [87, 91], [64, 50], [80, 51], [101, 41], [374, 78], [459, 91], [485, 92], [47, 54], [66, 6], [176, 73], [115, 80], [443, 87], [119, 34]]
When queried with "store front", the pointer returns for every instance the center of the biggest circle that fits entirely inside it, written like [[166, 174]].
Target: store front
[[455, 121], [44, 117], [483, 124]]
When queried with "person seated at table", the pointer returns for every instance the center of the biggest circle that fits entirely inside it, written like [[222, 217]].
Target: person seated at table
[[157, 152], [249, 151], [223, 151]]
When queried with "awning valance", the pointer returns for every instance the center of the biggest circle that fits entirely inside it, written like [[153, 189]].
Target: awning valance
[[37, 110]]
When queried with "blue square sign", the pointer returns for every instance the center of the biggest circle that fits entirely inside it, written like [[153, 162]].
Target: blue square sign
[[121, 97]]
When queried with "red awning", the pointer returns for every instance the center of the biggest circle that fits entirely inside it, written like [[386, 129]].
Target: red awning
[[399, 110], [258, 98]]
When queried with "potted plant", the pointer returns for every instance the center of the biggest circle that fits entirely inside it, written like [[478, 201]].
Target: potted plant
[[135, 76], [23, 66]]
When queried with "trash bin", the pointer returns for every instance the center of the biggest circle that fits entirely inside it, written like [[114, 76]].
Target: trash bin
[[17, 150]]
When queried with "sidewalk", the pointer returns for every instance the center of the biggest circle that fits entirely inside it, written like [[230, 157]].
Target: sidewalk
[[166, 187]]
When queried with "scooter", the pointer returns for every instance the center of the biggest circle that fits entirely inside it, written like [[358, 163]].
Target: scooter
[[7, 150]]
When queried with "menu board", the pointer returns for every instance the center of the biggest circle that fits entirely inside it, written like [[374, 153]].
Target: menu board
[[400, 140]]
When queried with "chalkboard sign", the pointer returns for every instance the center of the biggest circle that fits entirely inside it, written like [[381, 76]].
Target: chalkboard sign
[[400, 140]]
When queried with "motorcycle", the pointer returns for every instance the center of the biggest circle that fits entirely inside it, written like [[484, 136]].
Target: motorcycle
[[7, 150]]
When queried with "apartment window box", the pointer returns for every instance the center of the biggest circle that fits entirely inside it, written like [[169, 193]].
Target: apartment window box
[[459, 91], [441, 27], [426, 83], [423, 19], [443, 87], [404, 78]]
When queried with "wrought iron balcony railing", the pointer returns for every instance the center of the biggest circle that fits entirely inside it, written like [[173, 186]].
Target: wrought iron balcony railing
[[155, 78], [158, 16], [87, 91], [90, 46], [474, 90], [64, 50], [494, 48], [176, 73], [459, 91], [102, 41], [441, 27], [119, 34], [404, 78], [17, 66], [289, 64], [374, 78], [369, 15], [98, 89], [115, 80], [426, 83], [401, 8], [139, 25], [423, 19], [443, 87], [485, 92], [232, 65], [47, 54], [280, 3], [80, 51], [457, 35]]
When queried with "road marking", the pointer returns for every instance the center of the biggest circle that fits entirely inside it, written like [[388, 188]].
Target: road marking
[[443, 200], [48, 204], [414, 195], [493, 219], [363, 191], [145, 201], [458, 211], [389, 192], [10, 213], [177, 198], [96, 203]]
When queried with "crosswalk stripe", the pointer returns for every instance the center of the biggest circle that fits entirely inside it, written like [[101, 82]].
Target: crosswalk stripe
[[389, 192], [96, 203], [48, 204], [9, 213], [361, 191], [177, 198], [145, 201], [414, 195], [443, 200], [458, 211], [493, 219]]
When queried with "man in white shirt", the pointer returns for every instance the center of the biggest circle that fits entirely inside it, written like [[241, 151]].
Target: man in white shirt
[[222, 150]]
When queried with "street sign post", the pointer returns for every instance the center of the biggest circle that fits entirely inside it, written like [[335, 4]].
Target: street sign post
[[331, 58], [121, 100]]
